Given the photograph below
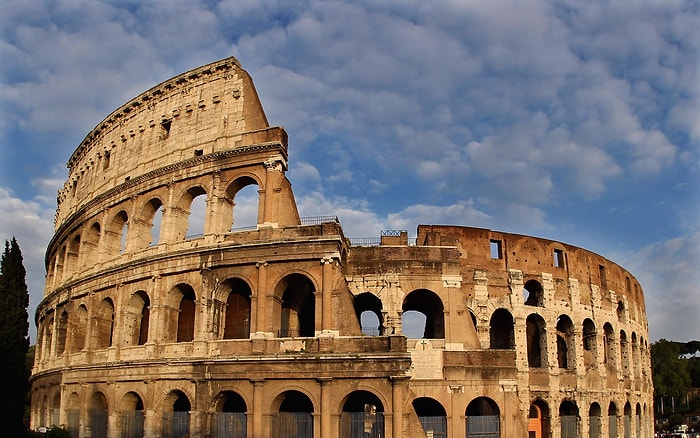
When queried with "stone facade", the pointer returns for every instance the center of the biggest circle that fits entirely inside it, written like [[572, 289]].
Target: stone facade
[[155, 325]]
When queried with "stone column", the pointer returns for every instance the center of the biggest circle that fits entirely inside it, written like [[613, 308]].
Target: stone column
[[260, 302], [327, 295], [258, 430], [325, 405], [397, 383], [273, 168]]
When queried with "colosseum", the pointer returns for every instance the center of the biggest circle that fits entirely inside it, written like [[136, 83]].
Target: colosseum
[[165, 316]]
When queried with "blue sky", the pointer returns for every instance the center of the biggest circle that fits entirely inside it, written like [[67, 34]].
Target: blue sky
[[577, 121]]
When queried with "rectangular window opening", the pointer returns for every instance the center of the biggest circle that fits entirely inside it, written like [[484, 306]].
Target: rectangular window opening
[[558, 258], [165, 124], [496, 249], [603, 278]]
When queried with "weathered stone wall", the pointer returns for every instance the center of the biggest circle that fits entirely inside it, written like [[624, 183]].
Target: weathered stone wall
[[147, 324]]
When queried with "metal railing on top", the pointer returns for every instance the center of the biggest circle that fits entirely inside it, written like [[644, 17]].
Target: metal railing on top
[[317, 220], [375, 241]]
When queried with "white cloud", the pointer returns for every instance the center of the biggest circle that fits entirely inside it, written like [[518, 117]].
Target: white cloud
[[31, 222], [669, 274]]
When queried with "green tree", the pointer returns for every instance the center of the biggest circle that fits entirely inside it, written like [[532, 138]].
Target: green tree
[[669, 372], [14, 340], [694, 370]]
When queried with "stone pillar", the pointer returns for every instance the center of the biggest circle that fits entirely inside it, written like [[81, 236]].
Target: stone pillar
[[327, 295], [258, 430], [397, 386], [325, 405], [273, 168], [260, 302]]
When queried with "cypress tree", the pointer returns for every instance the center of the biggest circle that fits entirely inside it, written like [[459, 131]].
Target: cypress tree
[[14, 340]]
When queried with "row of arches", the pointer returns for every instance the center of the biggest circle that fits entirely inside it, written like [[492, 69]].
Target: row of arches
[[291, 412], [611, 422], [136, 225], [176, 317], [422, 317], [502, 336], [565, 333], [533, 296], [361, 415]]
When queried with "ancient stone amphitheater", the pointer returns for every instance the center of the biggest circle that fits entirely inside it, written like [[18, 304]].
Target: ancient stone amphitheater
[[164, 316]]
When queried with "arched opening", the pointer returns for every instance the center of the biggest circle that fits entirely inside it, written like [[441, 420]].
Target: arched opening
[[148, 225], [90, 245], [176, 415], [229, 419], [501, 330], [294, 417], [117, 233], [59, 270], [609, 345], [73, 414], [237, 319], [533, 293], [56, 409], [566, 354], [638, 420], [157, 226], [624, 354], [103, 324], [44, 419], [298, 307], [636, 357], [368, 309], [568, 419], [621, 311], [483, 418], [590, 344], [612, 420], [179, 314], [627, 420], [61, 332], [98, 415], [362, 416], [78, 327], [137, 319], [72, 251], [186, 315], [132, 418], [48, 336], [430, 305], [51, 277], [432, 416], [197, 216], [595, 421], [413, 324], [187, 217], [536, 341], [123, 240], [243, 195]]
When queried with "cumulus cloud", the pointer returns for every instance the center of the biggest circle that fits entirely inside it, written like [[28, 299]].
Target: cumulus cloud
[[668, 272], [31, 223]]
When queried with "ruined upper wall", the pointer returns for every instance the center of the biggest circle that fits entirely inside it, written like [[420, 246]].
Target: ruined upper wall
[[209, 109], [497, 252]]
